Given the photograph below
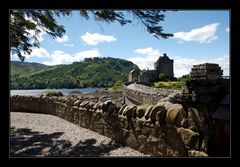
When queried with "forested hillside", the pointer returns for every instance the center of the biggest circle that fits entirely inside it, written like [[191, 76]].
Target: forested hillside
[[92, 72]]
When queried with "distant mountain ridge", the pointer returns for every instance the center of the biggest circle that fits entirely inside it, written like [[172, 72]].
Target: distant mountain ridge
[[92, 72]]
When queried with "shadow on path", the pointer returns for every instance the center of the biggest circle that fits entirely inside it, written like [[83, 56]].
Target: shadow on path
[[27, 143]]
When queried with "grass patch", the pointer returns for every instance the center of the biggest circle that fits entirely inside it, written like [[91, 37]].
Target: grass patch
[[116, 87], [169, 85]]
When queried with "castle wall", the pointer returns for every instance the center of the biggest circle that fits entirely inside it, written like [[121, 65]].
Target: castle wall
[[148, 76], [164, 65], [133, 75], [166, 68]]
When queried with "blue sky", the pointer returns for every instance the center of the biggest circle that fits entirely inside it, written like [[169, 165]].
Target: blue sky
[[199, 36]]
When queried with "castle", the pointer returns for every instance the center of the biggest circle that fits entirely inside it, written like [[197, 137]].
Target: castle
[[163, 65]]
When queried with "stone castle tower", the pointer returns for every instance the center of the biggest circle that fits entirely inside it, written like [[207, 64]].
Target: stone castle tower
[[164, 65]]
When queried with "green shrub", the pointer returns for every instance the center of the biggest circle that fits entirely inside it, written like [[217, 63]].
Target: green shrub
[[184, 78], [162, 77], [168, 85], [118, 83], [117, 87]]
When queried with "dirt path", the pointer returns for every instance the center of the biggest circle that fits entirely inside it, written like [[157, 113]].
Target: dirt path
[[41, 135]]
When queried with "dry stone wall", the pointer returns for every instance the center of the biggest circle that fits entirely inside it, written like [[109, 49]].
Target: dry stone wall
[[135, 94], [157, 130]]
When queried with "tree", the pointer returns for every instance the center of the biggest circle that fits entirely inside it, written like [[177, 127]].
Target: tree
[[23, 21], [162, 77], [118, 83], [184, 78]]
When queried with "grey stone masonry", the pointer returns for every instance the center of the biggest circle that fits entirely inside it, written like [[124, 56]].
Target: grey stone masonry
[[164, 65], [206, 71]]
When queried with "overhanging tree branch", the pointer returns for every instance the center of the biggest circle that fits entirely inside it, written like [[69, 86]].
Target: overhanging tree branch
[[24, 21]]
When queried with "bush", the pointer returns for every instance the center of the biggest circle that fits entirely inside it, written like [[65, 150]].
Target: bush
[[184, 78], [117, 87], [118, 83], [162, 77]]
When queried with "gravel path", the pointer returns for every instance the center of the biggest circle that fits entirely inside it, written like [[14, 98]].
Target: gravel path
[[41, 135]]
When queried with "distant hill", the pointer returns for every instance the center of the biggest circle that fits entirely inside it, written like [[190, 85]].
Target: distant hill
[[92, 72], [19, 68]]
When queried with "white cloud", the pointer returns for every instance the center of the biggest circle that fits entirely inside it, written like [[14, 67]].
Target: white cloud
[[151, 55], [63, 39], [70, 45], [36, 52], [205, 34], [60, 57], [85, 54], [223, 61], [227, 29], [39, 35], [95, 38], [182, 66], [13, 55]]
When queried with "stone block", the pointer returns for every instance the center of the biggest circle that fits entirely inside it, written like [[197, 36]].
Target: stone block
[[148, 111], [122, 108], [153, 113], [175, 115], [189, 137], [140, 112], [132, 141], [195, 153]]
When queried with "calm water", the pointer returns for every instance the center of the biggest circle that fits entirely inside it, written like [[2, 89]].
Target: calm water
[[35, 92]]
